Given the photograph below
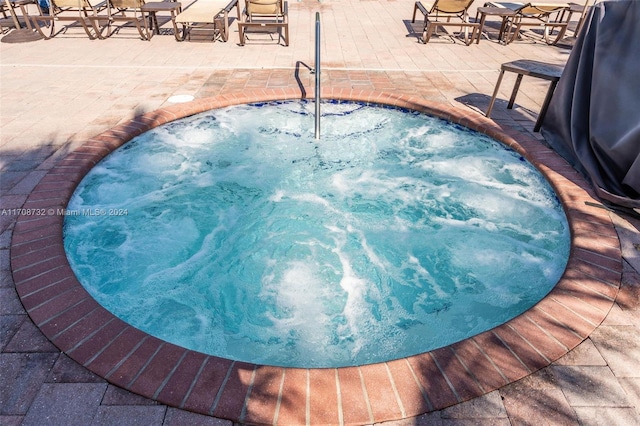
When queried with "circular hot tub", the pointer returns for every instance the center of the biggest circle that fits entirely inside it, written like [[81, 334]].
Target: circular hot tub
[[235, 233], [361, 392]]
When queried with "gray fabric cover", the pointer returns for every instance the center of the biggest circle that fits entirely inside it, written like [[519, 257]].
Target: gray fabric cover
[[593, 120]]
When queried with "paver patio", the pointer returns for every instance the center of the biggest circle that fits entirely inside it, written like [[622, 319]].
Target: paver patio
[[56, 94]]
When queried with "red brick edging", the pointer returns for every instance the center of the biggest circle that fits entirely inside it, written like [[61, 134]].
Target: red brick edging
[[127, 357]]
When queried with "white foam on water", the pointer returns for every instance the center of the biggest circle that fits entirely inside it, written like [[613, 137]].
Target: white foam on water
[[304, 310], [312, 199]]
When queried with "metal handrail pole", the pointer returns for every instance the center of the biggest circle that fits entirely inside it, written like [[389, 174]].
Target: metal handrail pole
[[317, 73]]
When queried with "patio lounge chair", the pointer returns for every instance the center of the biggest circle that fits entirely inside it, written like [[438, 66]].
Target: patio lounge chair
[[265, 15], [207, 15], [441, 13], [74, 11], [548, 17], [128, 11], [9, 19]]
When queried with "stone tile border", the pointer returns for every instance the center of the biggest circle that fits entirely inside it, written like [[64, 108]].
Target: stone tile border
[[247, 393]]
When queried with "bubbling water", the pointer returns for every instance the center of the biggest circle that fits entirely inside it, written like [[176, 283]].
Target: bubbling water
[[236, 234]]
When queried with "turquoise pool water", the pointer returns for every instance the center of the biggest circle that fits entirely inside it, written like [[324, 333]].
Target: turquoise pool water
[[236, 234]]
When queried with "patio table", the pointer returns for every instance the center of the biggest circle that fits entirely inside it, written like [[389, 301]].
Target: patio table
[[537, 69], [502, 12], [173, 7]]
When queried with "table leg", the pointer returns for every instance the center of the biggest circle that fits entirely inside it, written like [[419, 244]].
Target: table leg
[[545, 105], [495, 93], [502, 35], [516, 87], [153, 22]]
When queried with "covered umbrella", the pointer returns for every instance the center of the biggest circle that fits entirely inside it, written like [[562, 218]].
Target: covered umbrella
[[593, 120]]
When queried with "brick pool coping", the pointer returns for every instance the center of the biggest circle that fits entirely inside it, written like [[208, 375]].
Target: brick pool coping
[[131, 359]]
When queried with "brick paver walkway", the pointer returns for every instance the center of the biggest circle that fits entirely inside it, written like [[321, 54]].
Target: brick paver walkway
[[56, 94]]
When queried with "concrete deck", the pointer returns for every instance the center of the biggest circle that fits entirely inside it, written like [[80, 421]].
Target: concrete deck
[[56, 94]]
